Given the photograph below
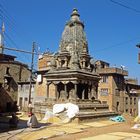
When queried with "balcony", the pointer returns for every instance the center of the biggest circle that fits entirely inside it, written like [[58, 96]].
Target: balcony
[[113, 71]]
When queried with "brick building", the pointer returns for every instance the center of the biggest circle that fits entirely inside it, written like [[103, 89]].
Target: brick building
[[11, 72], [117, 91], [44, 63]]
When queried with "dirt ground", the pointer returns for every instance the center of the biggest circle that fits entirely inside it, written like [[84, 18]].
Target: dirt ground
[[97, 128], [120, 127]]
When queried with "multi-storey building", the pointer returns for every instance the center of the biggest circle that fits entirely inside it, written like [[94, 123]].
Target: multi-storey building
[[44, 63], [120, 94], [11, 72], [23, 94]]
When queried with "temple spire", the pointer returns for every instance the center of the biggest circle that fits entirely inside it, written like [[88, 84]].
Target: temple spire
[[2, 38], [75, 15]]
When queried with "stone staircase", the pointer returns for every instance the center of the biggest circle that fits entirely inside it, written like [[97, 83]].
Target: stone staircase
[[93, 110]]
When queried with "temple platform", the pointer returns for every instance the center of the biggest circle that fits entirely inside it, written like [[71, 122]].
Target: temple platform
[[88, 110]]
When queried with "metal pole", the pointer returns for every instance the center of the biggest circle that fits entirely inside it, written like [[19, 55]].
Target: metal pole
[[32, 64], [138, 45]]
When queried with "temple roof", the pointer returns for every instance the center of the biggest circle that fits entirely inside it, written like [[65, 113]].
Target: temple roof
[[73, 37]]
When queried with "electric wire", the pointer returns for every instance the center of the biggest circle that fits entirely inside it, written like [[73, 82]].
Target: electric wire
[[117, 44], [125, 6]]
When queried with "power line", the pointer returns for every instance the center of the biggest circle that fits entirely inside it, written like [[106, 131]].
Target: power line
[[5, 13], [125, 6], [117, 45], [10, 22], [18, 50]]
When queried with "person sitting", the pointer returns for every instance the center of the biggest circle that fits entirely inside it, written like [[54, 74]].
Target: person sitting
[[13, 121], [32, 121]]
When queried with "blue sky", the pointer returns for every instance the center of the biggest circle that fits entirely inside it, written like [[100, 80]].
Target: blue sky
[[112, 30]]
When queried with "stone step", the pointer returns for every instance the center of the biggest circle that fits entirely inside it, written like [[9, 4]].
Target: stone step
[[96, 107], [92, 105], [90, 116]]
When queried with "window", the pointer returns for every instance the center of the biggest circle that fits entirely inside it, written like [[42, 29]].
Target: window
[[25, 102], [118, 79], [131, 101], [104, 79], [126, 100], [21, 87], [117, 92], [27, 87], [135, 101], [7, 70], [104, 92]]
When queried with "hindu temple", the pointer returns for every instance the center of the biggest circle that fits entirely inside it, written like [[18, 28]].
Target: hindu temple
[[72, 76]]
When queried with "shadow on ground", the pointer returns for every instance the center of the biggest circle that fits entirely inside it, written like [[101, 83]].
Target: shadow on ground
[[4, 125]]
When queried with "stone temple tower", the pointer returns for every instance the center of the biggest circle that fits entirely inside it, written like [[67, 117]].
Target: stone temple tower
[[74, 45], [72, 77]]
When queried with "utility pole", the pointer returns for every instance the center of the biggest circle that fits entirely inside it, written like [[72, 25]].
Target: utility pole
[[2, 39], [31, 75], [138, 53], [138, 45]]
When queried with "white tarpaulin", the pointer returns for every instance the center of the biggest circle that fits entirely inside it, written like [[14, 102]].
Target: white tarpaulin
[[70, 109]]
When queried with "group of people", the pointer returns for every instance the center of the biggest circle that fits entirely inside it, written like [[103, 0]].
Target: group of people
[[32, 121]]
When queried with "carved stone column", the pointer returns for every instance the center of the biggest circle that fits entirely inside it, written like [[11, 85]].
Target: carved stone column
[[65, 88], [56, 95], [93, 92], [47, 90], [83, 94], [75, 91], [56, 90], [89, 92]]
